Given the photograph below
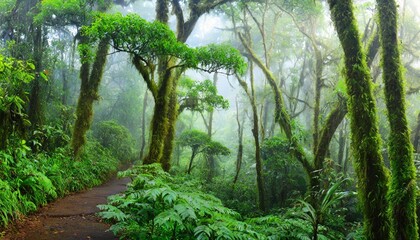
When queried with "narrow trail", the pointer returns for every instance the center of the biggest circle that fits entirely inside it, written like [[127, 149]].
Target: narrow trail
[[69, 218]]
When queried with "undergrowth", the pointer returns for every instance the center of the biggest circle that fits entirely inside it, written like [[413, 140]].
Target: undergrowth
[[157, 205], [31, 180]]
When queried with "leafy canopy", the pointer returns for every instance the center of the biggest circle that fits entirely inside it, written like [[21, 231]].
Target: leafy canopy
[[69, 12], [149, 40]]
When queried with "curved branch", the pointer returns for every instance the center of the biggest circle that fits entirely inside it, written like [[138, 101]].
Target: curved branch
[[146, 72]]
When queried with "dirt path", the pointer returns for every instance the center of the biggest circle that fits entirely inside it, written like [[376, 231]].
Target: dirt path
[[70, 218]]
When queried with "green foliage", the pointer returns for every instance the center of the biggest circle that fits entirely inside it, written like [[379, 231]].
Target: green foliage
[[324, 208], [303, 8], [201, 142], [6, 5], [14, 76], [48, 138], [241, 197], [149, 40], [194, 138], [215, 148], [284, 176], [30, 180], [215, 57], [69, 12], [290, 224], [159, 206], [199, 96], [8, 201], [285, 226], [135, 35], [116, 138]]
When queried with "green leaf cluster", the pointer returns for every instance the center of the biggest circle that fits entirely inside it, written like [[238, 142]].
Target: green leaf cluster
[[159, 206], [15, 75], [149, 40], [69, 12], [200, 96], [199, 141]]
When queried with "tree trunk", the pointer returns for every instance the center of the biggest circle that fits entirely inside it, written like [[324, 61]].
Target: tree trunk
[[240, 145], [341, 147], [255, 134], [160, 122], [143, 124], [416, 141], [35, 102], [90, 80], [194, 152], [402, 195], [211, 160], [172, 116], [371, 174], [318, 87]]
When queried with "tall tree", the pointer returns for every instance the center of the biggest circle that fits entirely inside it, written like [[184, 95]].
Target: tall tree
[[80, 13], [402, 192], [250, 92], [164, 117], [156, 52], [91, 76], [372, 176], [29, 39]]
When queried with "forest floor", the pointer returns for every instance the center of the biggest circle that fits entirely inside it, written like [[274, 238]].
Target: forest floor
[[70, 218]]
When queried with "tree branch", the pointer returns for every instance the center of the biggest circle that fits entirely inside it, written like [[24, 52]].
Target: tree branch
[[146, 72]]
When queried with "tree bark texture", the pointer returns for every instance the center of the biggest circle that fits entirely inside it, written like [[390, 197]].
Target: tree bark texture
[[91, 79], [402, 194], [372, 176]]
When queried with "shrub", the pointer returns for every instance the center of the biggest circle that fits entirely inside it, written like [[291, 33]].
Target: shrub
[[116, 138], [159, 206]]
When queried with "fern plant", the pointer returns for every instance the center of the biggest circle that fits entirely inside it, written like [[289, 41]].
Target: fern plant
[[8, 203], [159, 206]]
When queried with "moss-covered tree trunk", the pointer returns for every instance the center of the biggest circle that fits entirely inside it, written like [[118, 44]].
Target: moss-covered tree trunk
[[172, 116], [160, 122], [372, 177], [91, 77], [143, 124], [416, 140], [163, 135], [402, 195]]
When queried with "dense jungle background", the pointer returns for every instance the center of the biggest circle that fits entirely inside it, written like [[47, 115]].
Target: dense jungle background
[[239, 119]]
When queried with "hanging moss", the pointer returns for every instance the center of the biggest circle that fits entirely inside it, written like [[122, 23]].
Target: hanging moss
[[402, 195], [371, 174]]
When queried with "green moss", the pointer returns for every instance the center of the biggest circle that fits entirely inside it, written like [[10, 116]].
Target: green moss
[[402, 195], [172, 116], [91, 78], [371, 174]]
